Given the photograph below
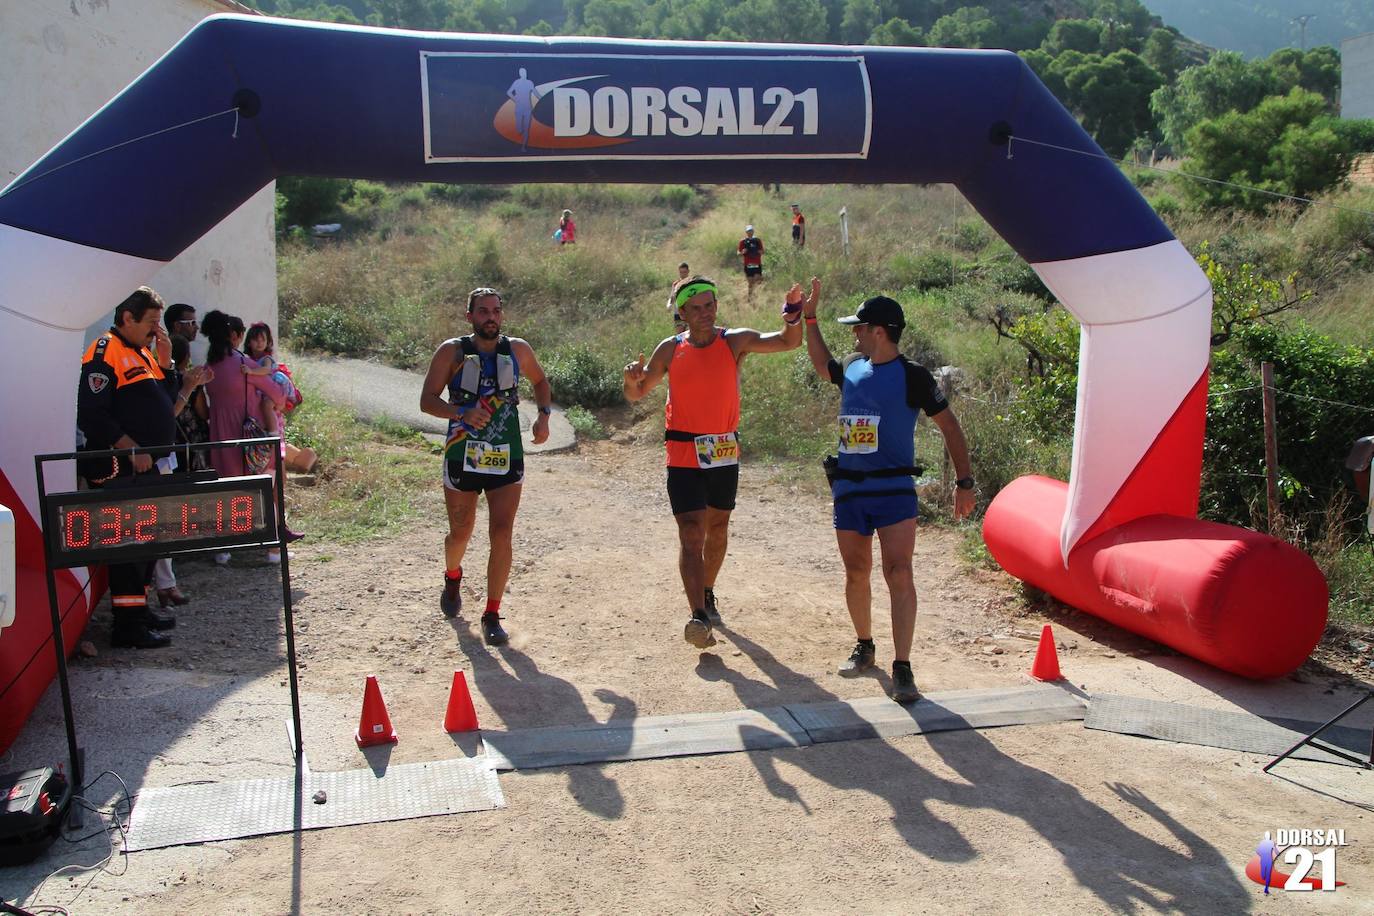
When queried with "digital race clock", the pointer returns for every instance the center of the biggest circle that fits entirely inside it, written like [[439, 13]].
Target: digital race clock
[[124, 524]]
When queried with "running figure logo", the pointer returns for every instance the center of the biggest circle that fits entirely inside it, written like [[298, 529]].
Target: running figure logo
[[1265, 851], [525, 96]]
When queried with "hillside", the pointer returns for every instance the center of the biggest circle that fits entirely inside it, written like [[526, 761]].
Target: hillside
[[1257, 28]]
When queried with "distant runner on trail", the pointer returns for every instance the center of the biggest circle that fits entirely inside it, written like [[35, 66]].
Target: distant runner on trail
[[483, 452], [702, 420], [750, 250], [882, 393]]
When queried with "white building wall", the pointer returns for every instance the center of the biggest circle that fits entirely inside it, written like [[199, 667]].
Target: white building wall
[[1357, 76], [60, 61]]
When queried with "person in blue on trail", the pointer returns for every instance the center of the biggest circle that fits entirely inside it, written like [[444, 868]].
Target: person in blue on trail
[[483, 453], [882, 393]]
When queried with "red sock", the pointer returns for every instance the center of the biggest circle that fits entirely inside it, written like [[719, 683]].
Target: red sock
[[453, 573], [493, 605]]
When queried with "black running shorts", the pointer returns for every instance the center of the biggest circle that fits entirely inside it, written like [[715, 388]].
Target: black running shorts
[[693, 489]]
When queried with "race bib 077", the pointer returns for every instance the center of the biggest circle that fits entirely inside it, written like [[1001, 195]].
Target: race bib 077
[[717, 451]]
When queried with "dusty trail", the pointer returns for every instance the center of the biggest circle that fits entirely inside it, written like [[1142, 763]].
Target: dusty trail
[[1015, 820]]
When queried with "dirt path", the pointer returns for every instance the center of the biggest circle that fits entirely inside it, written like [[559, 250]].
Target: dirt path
[[1015, 820]]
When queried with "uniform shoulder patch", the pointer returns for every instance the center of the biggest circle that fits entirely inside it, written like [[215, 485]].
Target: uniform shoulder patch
[[97, 381]]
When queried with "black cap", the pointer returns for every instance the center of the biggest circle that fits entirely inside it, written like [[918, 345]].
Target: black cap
[[878, 310]]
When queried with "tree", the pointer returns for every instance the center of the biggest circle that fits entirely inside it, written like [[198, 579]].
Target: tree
[[1111, 95], [1225, 83], [778, 20], [1276, 147], [1083, 35], [614, 18], [1318, 70], [897, 32], [1161, 52], [860, 18], [482, 16], [967, 27]]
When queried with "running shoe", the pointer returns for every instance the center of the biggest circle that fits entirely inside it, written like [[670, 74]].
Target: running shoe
[[859, 661], [904, 685], [698, 631], [492, 631], [451, 601], [712, 612]]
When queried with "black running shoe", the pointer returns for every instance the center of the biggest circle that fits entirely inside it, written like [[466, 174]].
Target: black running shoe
[[712, 612], [155, 621], [904, 685], [859, 661], [137, 637], [492, 631], [451, 601], [698, 630]]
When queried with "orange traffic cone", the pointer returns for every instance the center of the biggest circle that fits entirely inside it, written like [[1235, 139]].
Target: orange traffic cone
[[461, 717], [1046, 666], [375, 725]]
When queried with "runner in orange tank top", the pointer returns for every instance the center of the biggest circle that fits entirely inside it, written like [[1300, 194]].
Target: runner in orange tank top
[[701, 422]]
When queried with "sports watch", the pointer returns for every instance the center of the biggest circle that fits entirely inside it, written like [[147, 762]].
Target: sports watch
[[964, 483], [546, 410]]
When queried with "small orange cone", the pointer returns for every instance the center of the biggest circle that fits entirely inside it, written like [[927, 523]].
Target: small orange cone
[[375, 725], [461, 717], [1046, 667]]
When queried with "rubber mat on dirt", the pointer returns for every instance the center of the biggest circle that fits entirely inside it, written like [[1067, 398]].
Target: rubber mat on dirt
[[205, 812], [651, 737], [795, 725], [1235, 731], [879, 717]]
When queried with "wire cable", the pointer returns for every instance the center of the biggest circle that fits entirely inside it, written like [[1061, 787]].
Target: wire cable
[[100, 152], [1230, 184]]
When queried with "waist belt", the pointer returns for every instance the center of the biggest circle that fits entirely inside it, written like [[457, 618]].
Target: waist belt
[[677, 435], [834, 472]]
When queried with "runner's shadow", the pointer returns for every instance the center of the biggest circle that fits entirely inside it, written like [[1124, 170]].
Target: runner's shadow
[[1121, 867], [522, 695]]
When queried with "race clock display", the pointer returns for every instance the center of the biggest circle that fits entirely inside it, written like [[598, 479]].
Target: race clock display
[[145, 522]]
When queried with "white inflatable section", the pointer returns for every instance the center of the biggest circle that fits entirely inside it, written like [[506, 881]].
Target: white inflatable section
[[1126, 285], [1145, 348], [70, 286]]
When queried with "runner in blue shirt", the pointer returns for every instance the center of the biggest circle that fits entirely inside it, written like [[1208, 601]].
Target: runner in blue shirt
[[881, 395]]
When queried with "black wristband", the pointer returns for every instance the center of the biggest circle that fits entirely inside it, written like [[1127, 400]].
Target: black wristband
[[964, 483]]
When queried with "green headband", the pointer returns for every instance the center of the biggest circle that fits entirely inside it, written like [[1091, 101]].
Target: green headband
[[692, 289]]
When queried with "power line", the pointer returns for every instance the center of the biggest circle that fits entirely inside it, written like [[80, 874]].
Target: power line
[[1229, 184]]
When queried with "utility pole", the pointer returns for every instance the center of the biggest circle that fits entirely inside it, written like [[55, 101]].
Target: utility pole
[[1302, 22]]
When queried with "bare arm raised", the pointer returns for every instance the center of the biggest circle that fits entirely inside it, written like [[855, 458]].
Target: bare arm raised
[[747, 340], [640, 378]]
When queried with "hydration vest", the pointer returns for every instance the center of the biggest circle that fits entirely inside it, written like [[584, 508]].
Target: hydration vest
[[470, 376]]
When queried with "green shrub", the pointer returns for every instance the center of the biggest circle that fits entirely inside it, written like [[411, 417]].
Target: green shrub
[[926, 270], [323, 327], [579, 376], [677, 197], [584, 423], [310, 200], [1166, 205]]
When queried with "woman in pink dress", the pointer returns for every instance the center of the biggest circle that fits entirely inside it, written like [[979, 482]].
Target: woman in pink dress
[[235, 396]]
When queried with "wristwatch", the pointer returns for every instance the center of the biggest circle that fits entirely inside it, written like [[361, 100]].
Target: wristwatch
[[964, 483], [546, 410]]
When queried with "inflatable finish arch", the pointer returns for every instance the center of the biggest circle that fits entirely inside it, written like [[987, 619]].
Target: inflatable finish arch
[[95, 218]]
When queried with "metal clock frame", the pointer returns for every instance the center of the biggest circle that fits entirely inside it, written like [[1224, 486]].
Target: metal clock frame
[[189, 485]]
